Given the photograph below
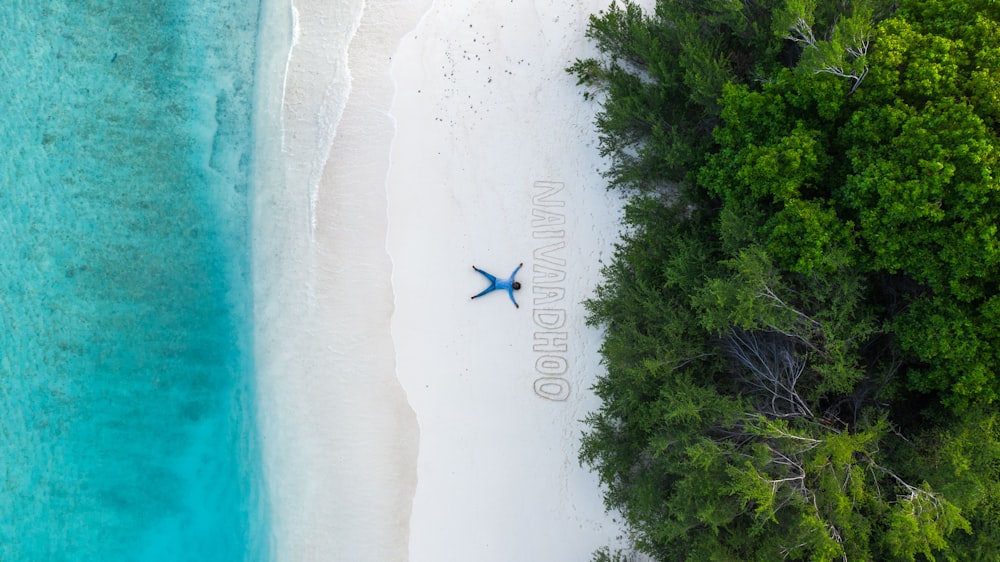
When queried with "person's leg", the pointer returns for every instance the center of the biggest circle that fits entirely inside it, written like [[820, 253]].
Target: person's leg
[[486, 290], [493, 280]]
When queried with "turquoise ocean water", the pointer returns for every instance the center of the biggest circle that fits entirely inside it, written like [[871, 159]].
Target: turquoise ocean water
[[126, 390]]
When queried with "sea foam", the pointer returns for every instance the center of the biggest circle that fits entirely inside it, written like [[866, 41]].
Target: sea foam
[[339, 439]]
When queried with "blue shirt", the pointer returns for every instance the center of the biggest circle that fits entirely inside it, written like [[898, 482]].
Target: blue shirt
[[508, 285]]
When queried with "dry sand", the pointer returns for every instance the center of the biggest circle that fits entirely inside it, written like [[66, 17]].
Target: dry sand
[[402, 420], [494, 162]]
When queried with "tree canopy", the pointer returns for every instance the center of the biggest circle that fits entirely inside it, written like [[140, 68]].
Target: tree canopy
[[802, 317]]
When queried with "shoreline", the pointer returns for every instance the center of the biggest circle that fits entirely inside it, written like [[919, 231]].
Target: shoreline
[[399, 420], [338, 438]]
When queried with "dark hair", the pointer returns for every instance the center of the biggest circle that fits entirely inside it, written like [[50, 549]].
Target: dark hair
[[516, 285]]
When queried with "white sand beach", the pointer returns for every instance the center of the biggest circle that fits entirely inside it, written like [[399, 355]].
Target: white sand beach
[[402, 420]]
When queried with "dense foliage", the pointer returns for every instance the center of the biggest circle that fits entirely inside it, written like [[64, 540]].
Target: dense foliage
[[803, 317]]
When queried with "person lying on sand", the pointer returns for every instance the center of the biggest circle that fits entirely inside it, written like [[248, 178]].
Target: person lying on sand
[[509, 284]]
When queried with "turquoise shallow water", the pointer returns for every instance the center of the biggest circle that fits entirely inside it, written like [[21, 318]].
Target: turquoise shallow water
[[126, 394]]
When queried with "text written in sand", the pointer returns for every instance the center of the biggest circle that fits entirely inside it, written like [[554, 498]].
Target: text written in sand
[[548, 287]]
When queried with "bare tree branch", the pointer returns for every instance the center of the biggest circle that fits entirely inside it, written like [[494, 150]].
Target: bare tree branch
[[840, 64], [801, 32], [773, 369]]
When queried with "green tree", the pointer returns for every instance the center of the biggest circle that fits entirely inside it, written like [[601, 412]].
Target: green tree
[[922, 146], [662, 75], [805, 296]]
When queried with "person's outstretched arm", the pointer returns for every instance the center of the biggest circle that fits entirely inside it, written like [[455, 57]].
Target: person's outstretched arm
[[510, 292], [516, 270]]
